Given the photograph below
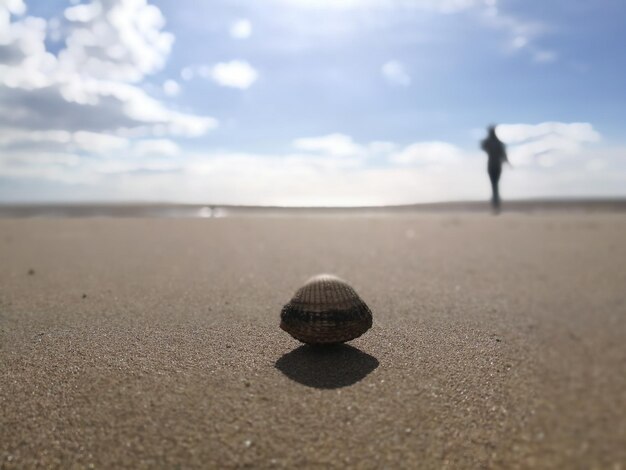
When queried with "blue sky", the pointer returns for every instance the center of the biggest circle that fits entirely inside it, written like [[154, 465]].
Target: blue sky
[[306, 102]]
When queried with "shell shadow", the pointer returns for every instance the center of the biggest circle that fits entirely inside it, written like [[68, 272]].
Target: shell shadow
[[331, 366]]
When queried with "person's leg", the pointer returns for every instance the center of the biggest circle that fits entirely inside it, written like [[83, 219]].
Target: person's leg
[[494, 176], [496, 192]]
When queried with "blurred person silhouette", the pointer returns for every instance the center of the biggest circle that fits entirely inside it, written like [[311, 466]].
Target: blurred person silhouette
[[496, 153]]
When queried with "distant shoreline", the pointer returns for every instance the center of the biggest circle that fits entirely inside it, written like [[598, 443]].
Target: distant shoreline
[[176, 210]]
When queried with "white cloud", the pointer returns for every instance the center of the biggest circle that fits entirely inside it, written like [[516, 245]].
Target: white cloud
[[381, 147], [24, 59], [596, 164], [422, 153], [89, 85], [171, 88], [575, 131], [16, 7], [99, 143], [116, 40], [241, 29], [292, 181], [395, 73], [84, 13], [60, 140], [30, 163], [331, 170], [235, 74], [159, 147], [547, 142], [337, 144], [12, 136]]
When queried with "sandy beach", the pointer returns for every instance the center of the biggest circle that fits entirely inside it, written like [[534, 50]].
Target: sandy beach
[[498, 342]]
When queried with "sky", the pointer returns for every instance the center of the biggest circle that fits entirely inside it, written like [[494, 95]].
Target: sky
[[309, 102]]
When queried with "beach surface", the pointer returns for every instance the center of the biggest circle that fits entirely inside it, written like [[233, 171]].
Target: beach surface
[[498, 342]]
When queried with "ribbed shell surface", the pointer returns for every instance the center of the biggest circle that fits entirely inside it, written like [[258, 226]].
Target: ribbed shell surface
[[326, 310]]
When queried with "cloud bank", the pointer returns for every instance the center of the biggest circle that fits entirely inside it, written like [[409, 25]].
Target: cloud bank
[[332, 169], [93, 83]]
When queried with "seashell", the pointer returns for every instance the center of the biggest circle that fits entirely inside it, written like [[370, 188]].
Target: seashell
[[325, 310]]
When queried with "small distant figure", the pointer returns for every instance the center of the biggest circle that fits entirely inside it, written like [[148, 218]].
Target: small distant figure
[[496, 151]]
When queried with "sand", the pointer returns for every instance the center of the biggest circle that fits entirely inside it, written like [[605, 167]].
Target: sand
[[498, 342]]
